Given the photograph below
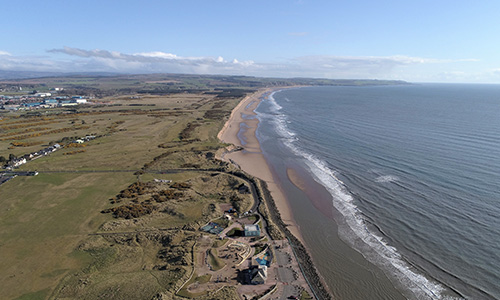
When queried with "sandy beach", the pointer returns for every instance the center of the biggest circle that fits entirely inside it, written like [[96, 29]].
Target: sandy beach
[[239, 130]]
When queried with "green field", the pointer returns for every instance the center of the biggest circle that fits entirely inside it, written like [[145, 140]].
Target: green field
[[42, 220], [55, 242]]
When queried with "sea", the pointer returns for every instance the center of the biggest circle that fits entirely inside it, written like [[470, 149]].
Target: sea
[[395, 189]]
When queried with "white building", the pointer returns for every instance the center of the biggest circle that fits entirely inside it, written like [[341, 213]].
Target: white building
[[18, 162], [43, 95]]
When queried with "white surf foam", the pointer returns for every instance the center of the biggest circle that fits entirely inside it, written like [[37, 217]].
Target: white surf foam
[[357, 234], [279, 119], [275, 106]]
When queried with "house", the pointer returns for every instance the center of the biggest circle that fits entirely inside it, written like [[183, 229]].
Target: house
[[252, 230], [17, 162], [259, 275]]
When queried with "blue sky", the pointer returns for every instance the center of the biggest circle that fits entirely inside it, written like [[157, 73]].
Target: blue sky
[[420, 41]]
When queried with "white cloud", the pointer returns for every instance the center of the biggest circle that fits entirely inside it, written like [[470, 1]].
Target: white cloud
[[316, 66], [355, 67], [158, 54], [146, 57], [496, 72], [4, 53], [147, 62], [31, 63], [325, 66]]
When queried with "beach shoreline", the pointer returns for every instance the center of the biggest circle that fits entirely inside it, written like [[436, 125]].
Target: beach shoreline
[[244, 151], [240, 131]]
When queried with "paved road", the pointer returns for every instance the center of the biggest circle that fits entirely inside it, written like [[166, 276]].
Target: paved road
[[285, 274], [289, 290]]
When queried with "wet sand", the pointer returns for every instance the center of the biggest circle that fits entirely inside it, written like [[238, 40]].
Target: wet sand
[[239, 130]]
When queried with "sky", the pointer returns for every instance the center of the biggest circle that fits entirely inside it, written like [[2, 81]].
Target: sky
[[417, 41]]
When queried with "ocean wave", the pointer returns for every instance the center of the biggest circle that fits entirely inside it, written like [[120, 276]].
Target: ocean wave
[[386, 178], [278, 119], [274, 105], [373, 246], [385, 255]]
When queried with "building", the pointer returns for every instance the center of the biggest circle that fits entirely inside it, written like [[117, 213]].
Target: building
[[67, 103], [50, 102], [11, 107], [32, 105], [259, 275], [17, 162], [42, 95], [252, 230], [78, 99]]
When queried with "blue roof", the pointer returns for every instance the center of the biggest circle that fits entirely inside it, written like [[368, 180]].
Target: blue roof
[[32, 104]]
